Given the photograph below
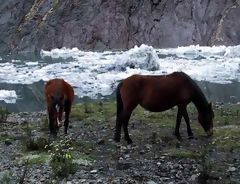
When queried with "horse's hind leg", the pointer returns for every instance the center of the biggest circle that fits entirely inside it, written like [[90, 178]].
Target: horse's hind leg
[[189, 130], [126, 117], [67, 114], [178, 122], [117, 135]]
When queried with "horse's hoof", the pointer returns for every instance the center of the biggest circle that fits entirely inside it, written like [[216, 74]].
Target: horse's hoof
[[116, 139], [129, 141], [190, 137], [178, 136]]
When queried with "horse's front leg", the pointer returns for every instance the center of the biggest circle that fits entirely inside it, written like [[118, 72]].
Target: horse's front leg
[[178, 122], [189, 130], [51, 120], [60, 114], [67, 114]]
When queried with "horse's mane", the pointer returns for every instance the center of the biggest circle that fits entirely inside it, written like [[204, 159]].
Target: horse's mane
[[198, 96]]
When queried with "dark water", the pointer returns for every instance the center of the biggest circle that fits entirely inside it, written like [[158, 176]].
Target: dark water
[[31, 97]]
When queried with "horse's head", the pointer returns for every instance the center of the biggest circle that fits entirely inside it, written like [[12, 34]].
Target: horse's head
[[206, 119]]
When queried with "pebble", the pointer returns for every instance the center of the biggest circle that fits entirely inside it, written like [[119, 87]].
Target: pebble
[[194, 177], [151, 182], [232, 169], [123, 165], [7, 142], [101, 142], [93, 171]]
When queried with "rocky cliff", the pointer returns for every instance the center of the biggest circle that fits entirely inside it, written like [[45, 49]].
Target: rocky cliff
[[31, 25]]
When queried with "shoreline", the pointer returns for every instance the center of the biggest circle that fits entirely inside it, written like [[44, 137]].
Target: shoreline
[[32, 98]]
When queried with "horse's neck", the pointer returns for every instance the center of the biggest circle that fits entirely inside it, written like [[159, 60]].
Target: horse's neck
[[200, 102]]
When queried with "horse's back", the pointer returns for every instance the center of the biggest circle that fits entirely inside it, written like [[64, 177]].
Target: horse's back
[[175, 79], [59, 87], [157, 92]]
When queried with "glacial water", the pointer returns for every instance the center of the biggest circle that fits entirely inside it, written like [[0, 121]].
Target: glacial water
[[95, 75]]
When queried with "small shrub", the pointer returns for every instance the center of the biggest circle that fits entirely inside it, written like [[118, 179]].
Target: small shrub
[[6, 177], [61, 160], [36, 143], [88, 109], [44, 125], [3, 114], [33, 141], [207, 166], [226, 122]]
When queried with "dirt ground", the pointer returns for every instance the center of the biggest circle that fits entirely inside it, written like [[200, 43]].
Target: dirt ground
[[155, 156]]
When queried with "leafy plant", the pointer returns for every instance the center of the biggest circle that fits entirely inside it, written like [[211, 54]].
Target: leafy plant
[[61, 160]]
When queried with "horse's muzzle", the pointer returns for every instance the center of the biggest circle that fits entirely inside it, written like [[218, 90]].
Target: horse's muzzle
[[210, 132]]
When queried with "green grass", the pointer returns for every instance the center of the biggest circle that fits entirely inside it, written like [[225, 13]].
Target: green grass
[[227, 138], [182, 153], [95, 111], [227, 115], [4, 136], [223, 138], [35, 158]]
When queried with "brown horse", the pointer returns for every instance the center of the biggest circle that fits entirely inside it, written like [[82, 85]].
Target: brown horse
[[59, 96], [160, 93]]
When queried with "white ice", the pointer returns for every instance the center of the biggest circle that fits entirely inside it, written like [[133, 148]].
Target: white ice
[[94, 73], [8, 96]]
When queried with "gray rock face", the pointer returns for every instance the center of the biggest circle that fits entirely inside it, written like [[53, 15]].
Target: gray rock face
[[31, 25]]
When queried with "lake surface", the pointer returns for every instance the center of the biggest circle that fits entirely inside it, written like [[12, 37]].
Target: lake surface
[[95, 75]]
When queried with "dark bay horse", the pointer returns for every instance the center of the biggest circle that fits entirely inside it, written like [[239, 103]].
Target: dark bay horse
[[160, 93], [59, 97]]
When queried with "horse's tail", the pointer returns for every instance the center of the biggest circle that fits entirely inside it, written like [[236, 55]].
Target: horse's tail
[[119, 100], [117, 135]]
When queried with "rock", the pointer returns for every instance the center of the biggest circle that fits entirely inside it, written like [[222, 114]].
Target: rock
[[30, 26], [232, 169], [93, 171], [82, 180], [101, 142], [7, 142], [194, 177], [123, 165], [141, 152], [151, 182]]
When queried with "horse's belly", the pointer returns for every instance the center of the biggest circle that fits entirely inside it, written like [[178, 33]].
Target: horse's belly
[[157, 107]]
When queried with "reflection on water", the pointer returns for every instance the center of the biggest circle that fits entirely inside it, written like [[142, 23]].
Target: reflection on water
[[31, 97]]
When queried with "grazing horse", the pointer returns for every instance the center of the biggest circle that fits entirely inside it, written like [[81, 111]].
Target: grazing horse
[[160, 93], [59, 96]]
